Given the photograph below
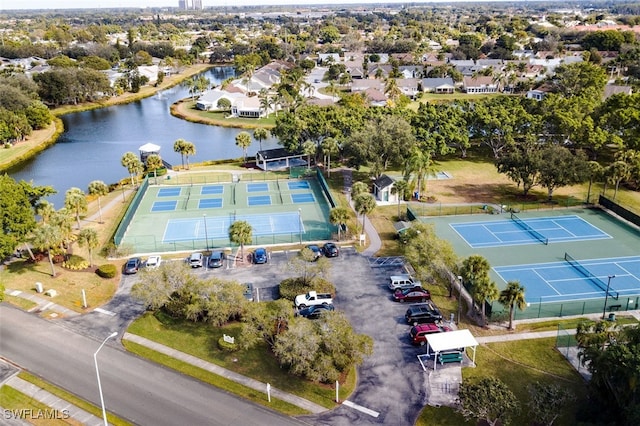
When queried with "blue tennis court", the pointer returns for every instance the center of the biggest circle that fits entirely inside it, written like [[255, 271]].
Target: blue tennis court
[[258, 187], [301, 184], [210, 203], [217, 227], [164, 206], [259, 200], [306, 197], [169, 192], [562, 282], [532, 231], [212, 190]]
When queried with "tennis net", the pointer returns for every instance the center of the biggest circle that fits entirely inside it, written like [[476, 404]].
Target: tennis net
[[522, 224], [584, 271]]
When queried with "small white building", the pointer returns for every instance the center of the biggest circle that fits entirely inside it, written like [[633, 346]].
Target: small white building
[[383, 190]]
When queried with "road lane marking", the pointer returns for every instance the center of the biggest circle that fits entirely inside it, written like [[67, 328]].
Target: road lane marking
[[104, 311], [361, 408]]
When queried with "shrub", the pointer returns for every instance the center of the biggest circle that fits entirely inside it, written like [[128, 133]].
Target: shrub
[[108, 270], [226, 346], [75, 263], [291, 287]]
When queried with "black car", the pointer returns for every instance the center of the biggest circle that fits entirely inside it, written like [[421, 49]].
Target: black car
[[132, 265], [331, 250], [423, 313], [216, 259], [314, 312]]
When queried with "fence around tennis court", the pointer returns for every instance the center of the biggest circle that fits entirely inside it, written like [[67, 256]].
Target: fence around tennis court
[[417, 209], [131, 210]]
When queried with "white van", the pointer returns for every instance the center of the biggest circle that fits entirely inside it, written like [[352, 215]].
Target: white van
[[402, 282]]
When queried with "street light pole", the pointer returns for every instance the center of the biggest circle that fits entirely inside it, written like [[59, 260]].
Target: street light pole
[[95, 361], [459, 299], [206, 234], [606, 295], [300, 223]]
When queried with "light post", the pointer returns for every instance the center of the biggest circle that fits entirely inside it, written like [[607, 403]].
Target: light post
[[300, 223], [459, 299], [606, 295], [95, 361], [206, 234]]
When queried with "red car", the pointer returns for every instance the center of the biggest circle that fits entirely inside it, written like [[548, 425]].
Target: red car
[[416, 294], [419, 333]]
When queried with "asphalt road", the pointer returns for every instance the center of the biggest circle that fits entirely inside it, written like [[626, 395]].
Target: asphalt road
[[139, 391]]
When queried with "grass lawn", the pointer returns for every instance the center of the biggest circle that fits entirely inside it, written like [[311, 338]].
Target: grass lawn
[[200, 340], [518, 364], [186, 109], [28, 409]]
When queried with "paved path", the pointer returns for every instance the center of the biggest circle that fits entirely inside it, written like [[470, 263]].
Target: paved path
[[374, 239]]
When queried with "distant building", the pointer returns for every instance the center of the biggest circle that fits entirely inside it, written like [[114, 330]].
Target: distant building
[[190, 4]]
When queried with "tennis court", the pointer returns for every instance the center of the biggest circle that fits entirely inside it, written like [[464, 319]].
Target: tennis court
[[545, 230], [174, 217], [572, 280]]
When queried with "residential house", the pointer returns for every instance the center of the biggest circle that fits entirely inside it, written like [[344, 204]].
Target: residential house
[[376, 97], [409, 86], [479, 84], [376, 70], [363, 85], [411, 71], [328, 58], [614, 89], [438, 85], [383, 189]]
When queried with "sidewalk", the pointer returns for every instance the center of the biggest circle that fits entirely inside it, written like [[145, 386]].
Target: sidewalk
[[374, 239], [42, 304], [215, 369]]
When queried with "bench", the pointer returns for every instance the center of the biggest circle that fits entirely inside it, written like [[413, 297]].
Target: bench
[[615, 307], [444, 358]]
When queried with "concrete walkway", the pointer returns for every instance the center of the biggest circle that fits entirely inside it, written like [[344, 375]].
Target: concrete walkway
[[374, 239], [42, 304], [220, 371]]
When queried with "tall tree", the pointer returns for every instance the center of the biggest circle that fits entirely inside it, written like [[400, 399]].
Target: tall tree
[[560, 167], [400, 189], [241, 232], [189, 151], [546, 401], [309, 149], [487, 399], [359, 188], [178, 146], [475, 271], [260, 134], [330, 147], [338, 216], [513, 297], [243, 141], [418, 164], [75, 200], [47, 237], [364, 204], [89, 237], [431, 257], [521, 164], [99, 189], [17, 218], [133, 165]]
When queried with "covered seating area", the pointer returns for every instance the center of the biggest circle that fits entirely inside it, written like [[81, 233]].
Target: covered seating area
[[448, 347], [277, 159]]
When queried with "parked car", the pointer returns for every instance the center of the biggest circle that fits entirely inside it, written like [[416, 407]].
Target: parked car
[[403, 282], [315, 249], [216, 259], [314, 312], [260, 256], [417, 294], [132, 265], [153, 262], [248, 291], [330, 250], [419, 333], [313, 298], [423, 313], [195, 260]]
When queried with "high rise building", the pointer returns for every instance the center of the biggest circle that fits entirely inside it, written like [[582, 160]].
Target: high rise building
[[190, 4]]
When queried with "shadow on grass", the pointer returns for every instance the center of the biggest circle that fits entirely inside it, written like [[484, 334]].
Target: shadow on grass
[[20, 267]]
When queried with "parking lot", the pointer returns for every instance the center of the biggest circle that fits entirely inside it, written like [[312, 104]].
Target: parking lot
[[392, 386]]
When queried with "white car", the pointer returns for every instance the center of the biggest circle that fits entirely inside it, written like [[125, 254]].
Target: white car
[[195, 260], [153, 262]]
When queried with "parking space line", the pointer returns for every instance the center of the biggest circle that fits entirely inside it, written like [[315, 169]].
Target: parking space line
[[104, 311], [361, 408]]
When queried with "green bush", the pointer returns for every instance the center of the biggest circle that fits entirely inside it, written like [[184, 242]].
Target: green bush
[[291, 287], [108, 270], [75, 263], [226, 346]]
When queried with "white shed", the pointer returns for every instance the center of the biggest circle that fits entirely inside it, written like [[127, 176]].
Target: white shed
[[450, 341]]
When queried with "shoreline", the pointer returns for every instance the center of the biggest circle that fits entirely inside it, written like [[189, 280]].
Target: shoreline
[[40, 140], [179, 110]]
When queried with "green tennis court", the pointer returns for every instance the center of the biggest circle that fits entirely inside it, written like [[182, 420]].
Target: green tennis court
[[193, 217]]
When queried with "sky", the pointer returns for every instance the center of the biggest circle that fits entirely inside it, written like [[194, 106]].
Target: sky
[[80, 4]]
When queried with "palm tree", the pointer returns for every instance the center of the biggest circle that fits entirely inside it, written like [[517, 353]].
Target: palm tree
[[243, 141], [364, 204], [260, 134], [241, 232], [133, 165], [359, 188], [76, 201], [596, 171], [330, 146], [178, 146], [309, 149], [99, 189], [400, 187], [419, 162], [47, 237], [484, 290], [338, 216], [189, 150], [89, 237], [45, 210], [513, 296]]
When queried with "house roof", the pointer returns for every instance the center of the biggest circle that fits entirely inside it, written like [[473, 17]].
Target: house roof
[[383, 181], [613, 89], [149, 147], [277, 153], [437, 82], [478, 81]]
